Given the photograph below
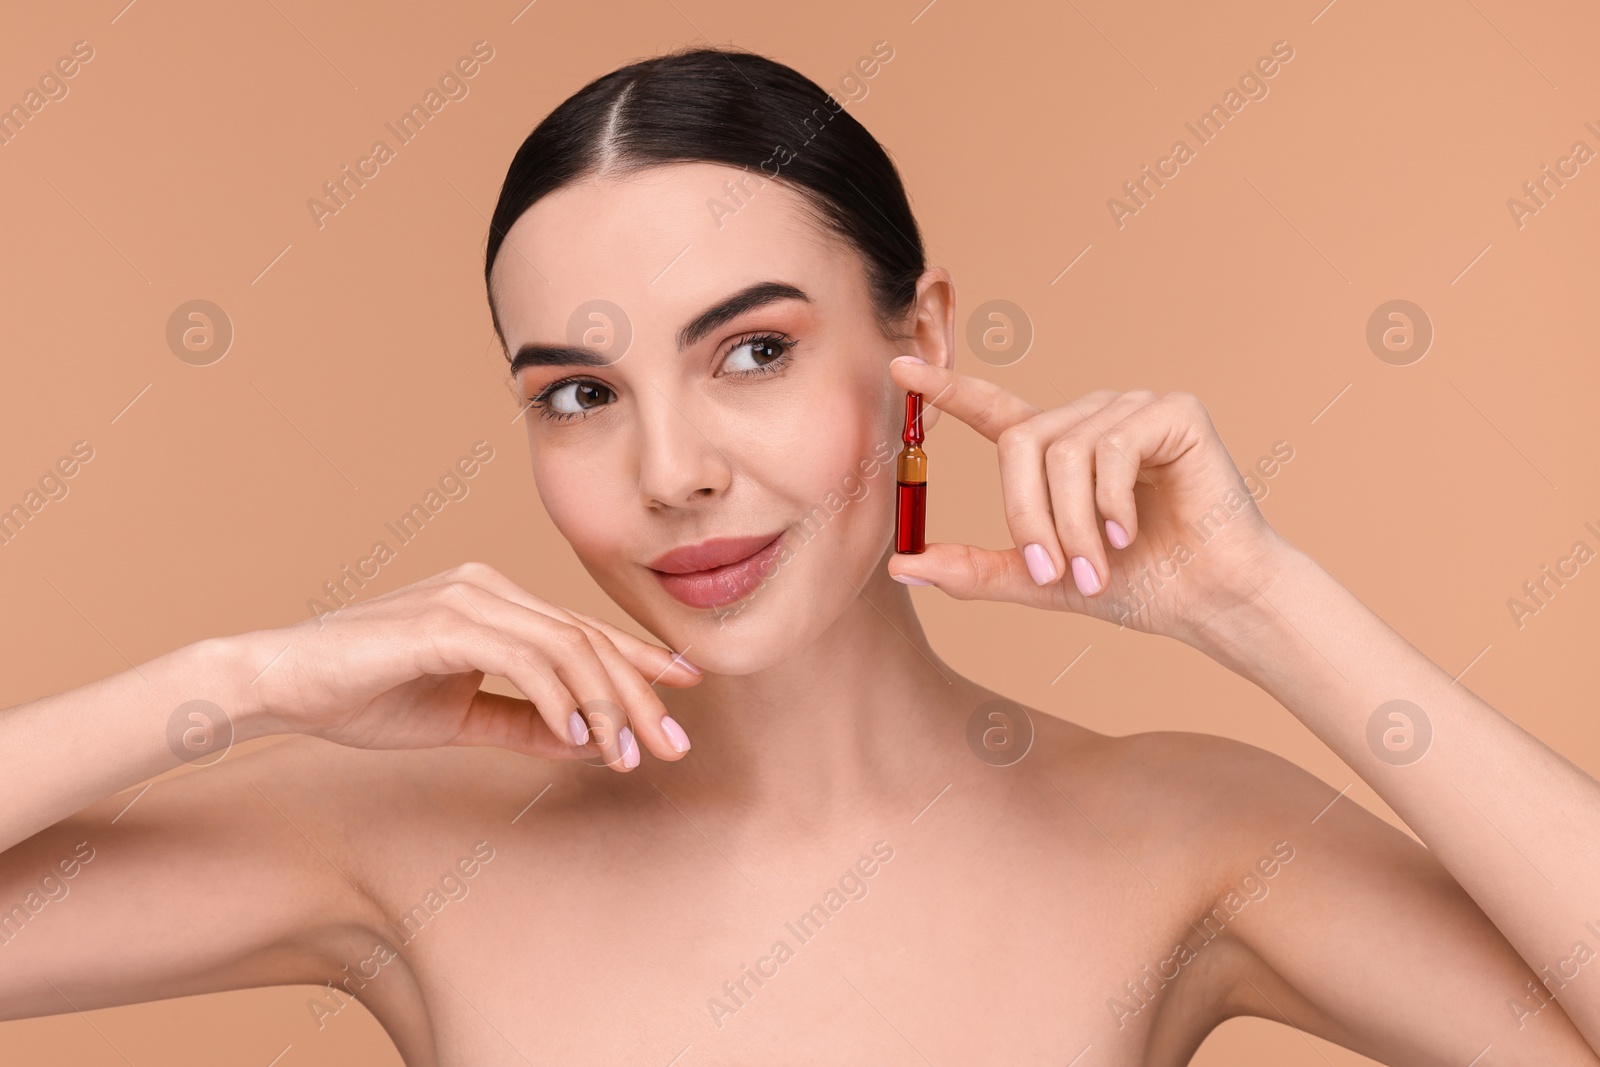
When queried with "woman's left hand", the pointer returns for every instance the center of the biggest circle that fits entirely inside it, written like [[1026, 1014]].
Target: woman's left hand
[[1124, 506]]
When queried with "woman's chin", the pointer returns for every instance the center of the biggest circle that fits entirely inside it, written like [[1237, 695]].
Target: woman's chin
[[742, 636]]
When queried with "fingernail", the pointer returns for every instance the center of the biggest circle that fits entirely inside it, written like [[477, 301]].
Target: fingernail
[[910, 579], [1039, 564], [630, 749], [1116, 534], [1083, 574], [578, 729], [675, 734], [678, 656], [909, 359]]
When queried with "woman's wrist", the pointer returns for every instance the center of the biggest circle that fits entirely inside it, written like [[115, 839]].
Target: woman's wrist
[[230, 667], [1243, 634]]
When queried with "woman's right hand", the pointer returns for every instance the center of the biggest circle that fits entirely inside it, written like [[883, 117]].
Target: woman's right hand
[[402, 671]]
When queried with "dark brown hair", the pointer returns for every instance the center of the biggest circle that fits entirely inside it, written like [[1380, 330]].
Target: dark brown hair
[[736, 108]]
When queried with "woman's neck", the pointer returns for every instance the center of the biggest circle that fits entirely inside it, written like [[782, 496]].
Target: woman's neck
[[851, 720]]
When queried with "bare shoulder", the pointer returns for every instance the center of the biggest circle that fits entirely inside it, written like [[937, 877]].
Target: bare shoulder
[[1189, 778], [1223, 775], [1208, 811]]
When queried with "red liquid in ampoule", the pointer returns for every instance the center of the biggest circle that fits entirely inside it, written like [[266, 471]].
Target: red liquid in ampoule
[[911, 517]]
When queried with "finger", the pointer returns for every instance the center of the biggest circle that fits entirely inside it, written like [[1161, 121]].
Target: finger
[[653, 661], [1070, 470], [542, 645], [1156, 434], [968, 572], [978, 402], [601, 706], [657, 664], [647, 716], [1138, 440], [515, 724], [465, 644], [614, 726], [1026, 489]]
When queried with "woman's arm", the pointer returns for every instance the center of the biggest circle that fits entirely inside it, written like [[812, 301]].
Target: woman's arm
[[1516, 824], [190, 885], [1317, 914], [1127, 507], [207, 881], [63, 752], [399, 671], [195, 885]]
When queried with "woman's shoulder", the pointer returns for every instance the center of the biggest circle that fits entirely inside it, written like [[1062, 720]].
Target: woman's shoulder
[[1193, 799], [1178, 767]]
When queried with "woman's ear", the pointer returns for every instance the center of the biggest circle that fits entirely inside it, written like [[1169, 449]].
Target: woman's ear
[[932, 332]]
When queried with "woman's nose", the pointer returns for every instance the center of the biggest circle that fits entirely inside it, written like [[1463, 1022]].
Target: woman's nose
[[679, 461]]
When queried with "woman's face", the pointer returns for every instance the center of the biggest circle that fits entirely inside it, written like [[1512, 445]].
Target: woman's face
[[712, 423]]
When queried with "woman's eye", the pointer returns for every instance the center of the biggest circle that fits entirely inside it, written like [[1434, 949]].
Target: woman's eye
[[576, 398], [756, 354]]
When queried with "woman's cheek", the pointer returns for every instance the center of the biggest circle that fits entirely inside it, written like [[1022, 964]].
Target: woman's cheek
[[581, 513], [845, 474]]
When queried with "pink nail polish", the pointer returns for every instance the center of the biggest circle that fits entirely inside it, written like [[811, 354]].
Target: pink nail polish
[[1116, 534], [630, 748], [910, 359], [1084, 576], [1039, 564], [578, 729], [678, 658], [675, 734], [910, 579]]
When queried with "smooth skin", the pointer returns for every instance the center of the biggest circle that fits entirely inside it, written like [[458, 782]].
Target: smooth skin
[[628, 908]]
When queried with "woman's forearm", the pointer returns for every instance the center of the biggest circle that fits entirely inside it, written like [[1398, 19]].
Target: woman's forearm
[[63, 752], [1514, 822]]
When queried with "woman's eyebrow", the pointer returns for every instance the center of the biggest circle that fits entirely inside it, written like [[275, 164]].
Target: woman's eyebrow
[[534, 354], [748, 299]]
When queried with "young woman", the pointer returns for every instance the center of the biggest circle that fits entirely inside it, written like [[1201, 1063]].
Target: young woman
[[839, 869]]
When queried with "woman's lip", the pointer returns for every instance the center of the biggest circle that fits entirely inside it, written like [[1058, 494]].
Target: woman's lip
[[714, 586], [710, 554]]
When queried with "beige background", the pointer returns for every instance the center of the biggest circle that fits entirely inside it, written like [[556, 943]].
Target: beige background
[[1378, 167]]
